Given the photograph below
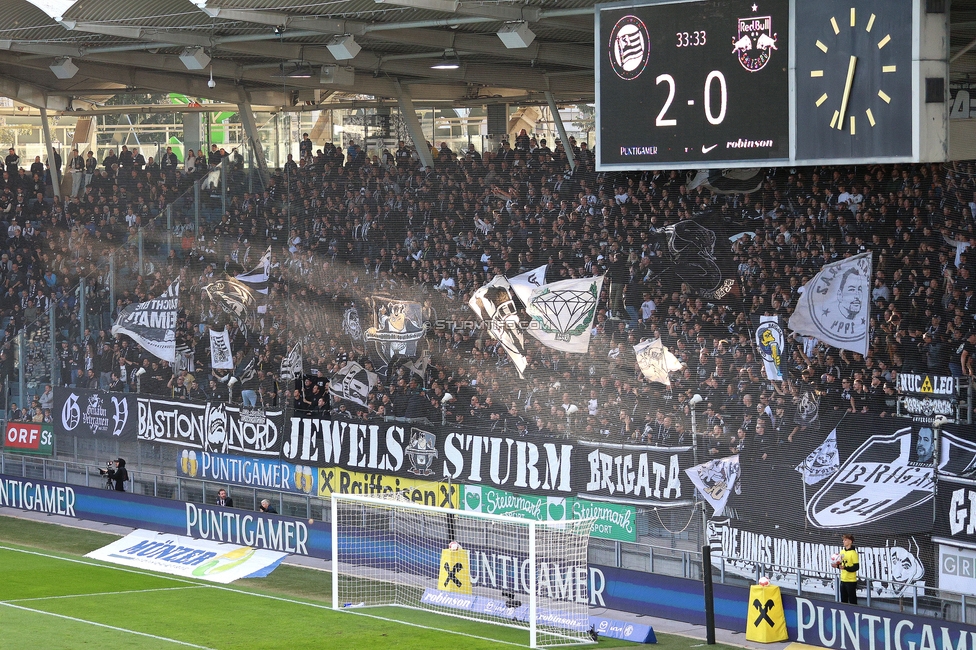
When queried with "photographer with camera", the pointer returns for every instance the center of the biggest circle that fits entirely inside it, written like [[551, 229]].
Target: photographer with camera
[[115, 472]]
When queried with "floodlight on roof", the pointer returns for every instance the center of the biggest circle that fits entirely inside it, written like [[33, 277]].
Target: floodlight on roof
[[449, 61]]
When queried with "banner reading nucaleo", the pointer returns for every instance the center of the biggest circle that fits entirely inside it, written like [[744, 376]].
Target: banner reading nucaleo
[[211, 426], [94, 413]]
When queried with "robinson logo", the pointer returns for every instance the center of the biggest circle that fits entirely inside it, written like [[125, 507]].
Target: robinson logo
[[630, 47]]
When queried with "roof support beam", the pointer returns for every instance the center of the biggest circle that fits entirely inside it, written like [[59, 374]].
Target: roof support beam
[[31, 95], [251, 131], [409, 115]]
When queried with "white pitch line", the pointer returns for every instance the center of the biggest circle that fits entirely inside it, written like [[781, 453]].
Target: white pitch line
[[153, 574], [103, 625], [102, 593], [249, 593]]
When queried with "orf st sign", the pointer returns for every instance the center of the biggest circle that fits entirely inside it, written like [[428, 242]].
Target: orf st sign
[[29, 438]]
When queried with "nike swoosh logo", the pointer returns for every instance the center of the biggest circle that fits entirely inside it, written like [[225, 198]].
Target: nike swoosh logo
[[707, 149]]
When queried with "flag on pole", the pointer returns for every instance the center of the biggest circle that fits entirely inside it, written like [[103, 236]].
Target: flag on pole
[[221, 356], [152, 324], [353, 383], [716, 480], [292, 365], [822, 461], [494, 303], [835, 305], [258, 278], [656, 361], [563, 312], [523, 284], [770, 342]]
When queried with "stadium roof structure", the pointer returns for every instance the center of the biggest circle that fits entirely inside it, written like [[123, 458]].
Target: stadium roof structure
[[56, 51]]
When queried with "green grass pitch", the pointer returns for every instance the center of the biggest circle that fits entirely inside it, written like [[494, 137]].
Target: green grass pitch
[[51, 598]]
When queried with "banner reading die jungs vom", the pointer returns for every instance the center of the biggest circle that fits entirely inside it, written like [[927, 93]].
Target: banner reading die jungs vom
[[261, 473], [428, 493], [29, 438], [613, 521]]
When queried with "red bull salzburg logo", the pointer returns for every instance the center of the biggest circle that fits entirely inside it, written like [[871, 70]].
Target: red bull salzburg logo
[[754, 42]]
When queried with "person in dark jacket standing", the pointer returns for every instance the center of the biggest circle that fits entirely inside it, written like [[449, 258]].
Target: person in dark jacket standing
[[116, 472]]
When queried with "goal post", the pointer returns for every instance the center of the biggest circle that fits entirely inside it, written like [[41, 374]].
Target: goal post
[[502, 570]]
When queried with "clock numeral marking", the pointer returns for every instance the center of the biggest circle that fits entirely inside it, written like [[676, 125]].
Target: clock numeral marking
[[822, 99], [889, 68], [870, 23], [816, 73], [833, 23], [884, 41], [853, 19], [852, 125], [821, 47], [870, 117], [884, 96], [834, 119]]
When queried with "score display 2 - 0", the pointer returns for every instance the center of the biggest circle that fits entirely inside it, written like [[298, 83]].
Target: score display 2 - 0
[[693, 82]]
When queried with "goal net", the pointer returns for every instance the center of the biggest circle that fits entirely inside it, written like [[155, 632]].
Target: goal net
[[519, 573]]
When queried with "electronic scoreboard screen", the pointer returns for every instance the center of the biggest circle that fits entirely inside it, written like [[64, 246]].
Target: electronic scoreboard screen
[[692, 83]]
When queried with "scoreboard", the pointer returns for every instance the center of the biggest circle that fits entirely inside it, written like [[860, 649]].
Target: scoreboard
[[741, 83]]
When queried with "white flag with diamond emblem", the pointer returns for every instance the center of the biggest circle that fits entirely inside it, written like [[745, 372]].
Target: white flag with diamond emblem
[[562, 313], [835, 305]]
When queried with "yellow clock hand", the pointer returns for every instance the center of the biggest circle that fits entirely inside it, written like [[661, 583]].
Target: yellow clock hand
[[847, 93]]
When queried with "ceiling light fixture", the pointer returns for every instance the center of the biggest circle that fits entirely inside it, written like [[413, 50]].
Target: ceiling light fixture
[[448, 61], [194, 58], [343, 47], [64, 68], [516, 35]]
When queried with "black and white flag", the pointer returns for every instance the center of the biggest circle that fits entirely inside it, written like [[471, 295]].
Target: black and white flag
[[808, 409], [351, 325], [716, 480], [835, 306], [353, 383], [701, 256], [291, 365], [419, 366], [221, 356], [523, 284], [152, 324], [494, 303], [822, 462], [234, 298], [247, 369], [656, 361], [258, 278], [771, 345]]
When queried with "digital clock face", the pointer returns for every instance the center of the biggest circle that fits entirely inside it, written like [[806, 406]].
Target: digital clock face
[[687, 83]]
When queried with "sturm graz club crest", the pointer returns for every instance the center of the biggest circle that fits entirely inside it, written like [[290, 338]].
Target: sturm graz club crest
[[421, 451], [629, 48], [754, 42]]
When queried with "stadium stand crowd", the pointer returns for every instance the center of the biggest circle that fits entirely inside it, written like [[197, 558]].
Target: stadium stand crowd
[[343, 226]]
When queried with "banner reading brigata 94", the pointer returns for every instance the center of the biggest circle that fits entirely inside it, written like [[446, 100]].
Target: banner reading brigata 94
[[866, 475]]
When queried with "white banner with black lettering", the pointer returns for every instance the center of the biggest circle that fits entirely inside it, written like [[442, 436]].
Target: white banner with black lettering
[[191, 558], [152, 324]]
